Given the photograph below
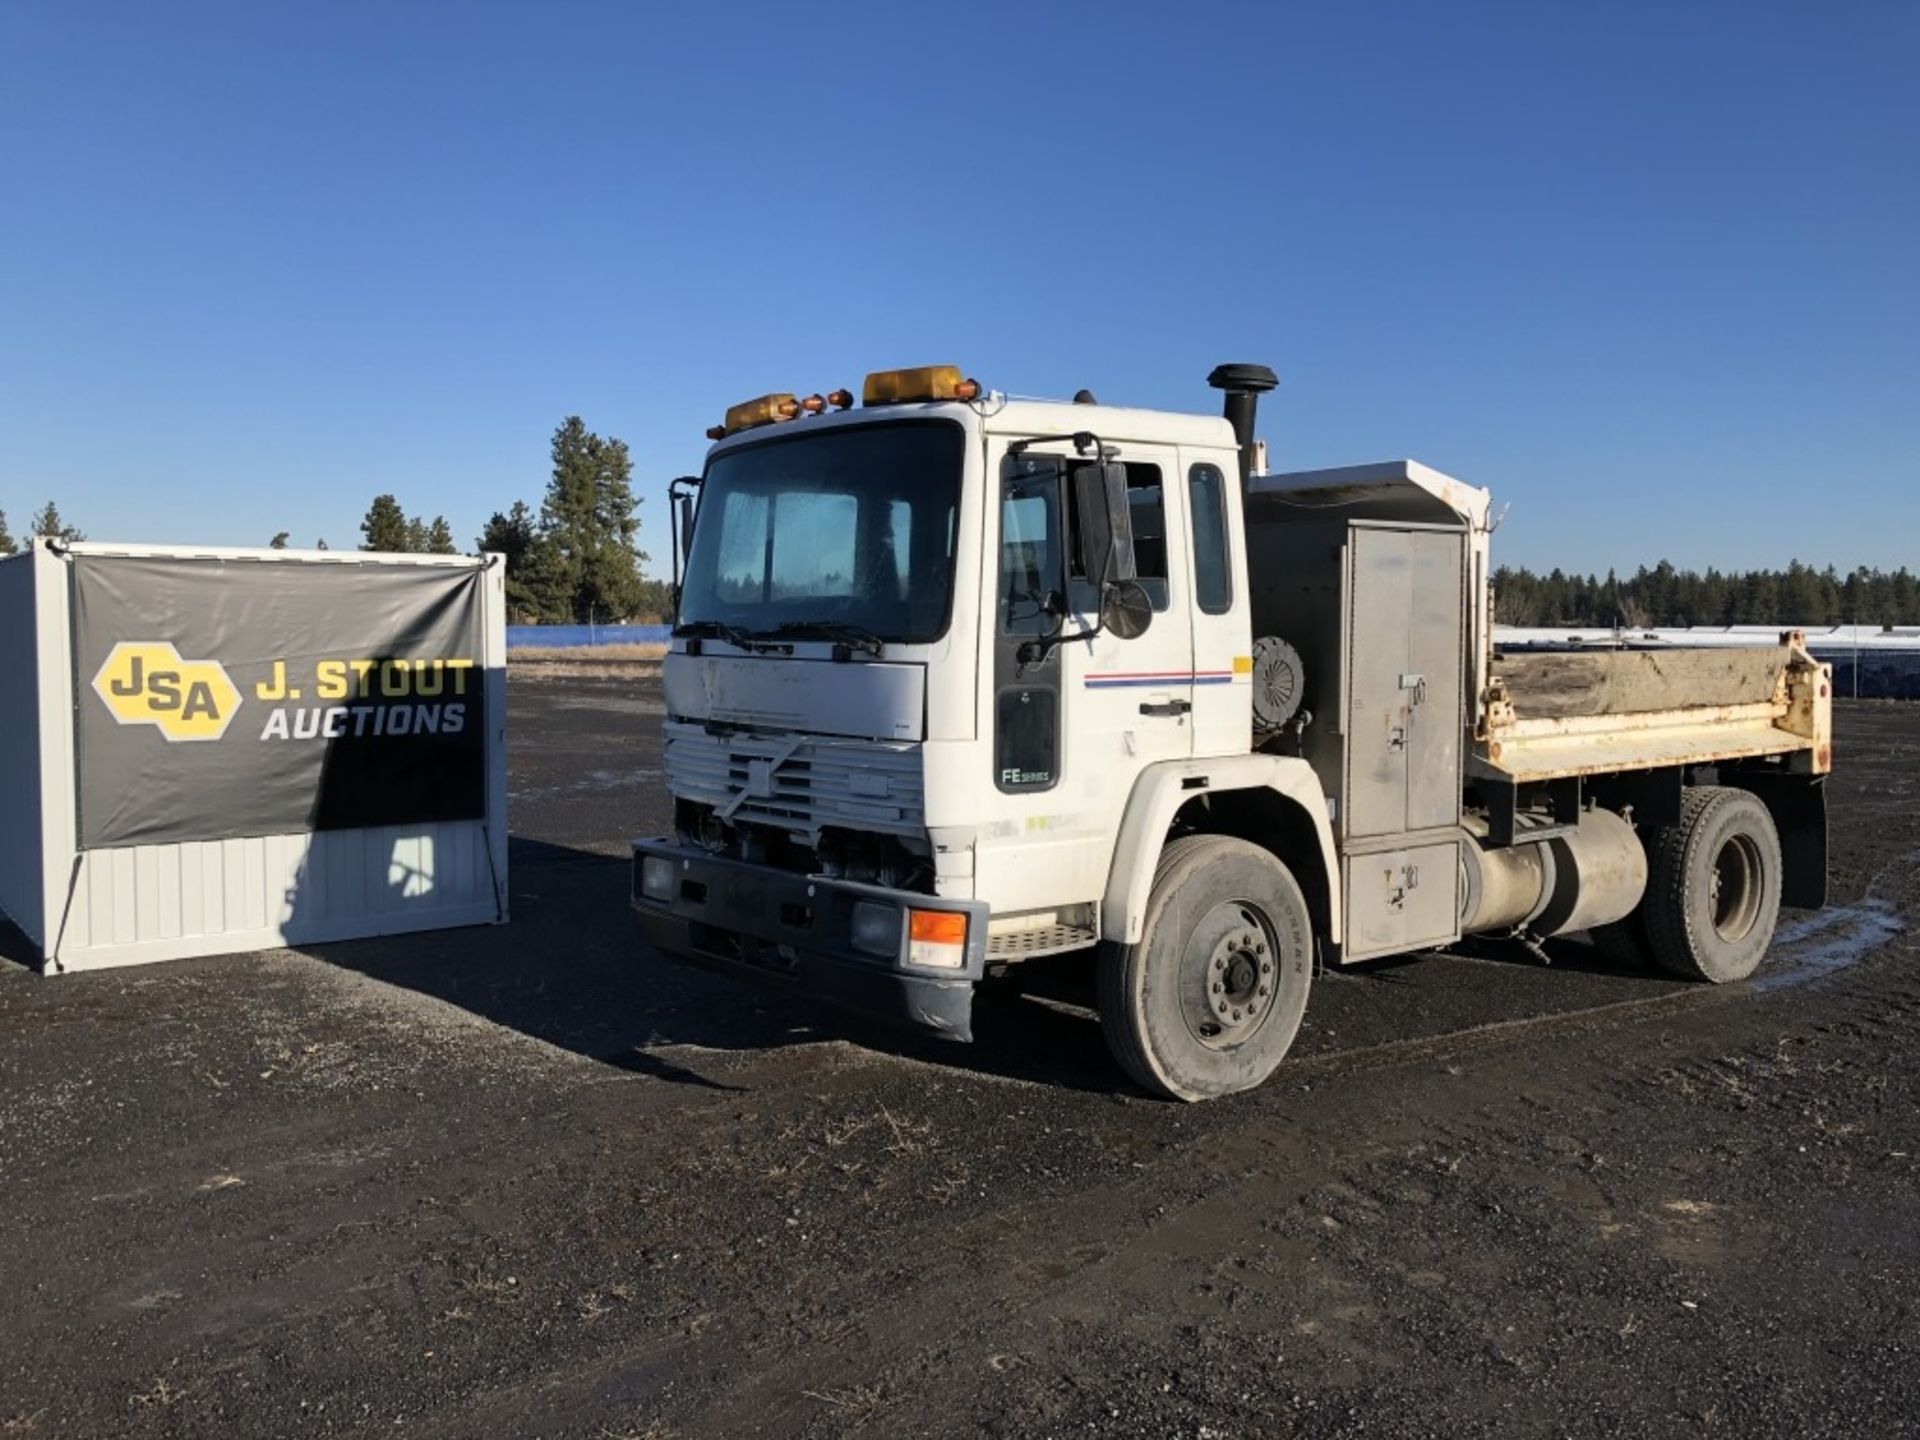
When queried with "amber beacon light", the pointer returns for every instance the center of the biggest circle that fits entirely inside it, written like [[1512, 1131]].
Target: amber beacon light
[[925, 382], [751, 413]]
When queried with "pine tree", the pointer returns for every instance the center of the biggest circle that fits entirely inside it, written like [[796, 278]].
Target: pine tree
[[385, 527], [279, 541], [49, 525], [532, 588], [588, 521], [7, 547], [439, 538], [416, 535], [1801, 597], [1903, 592]]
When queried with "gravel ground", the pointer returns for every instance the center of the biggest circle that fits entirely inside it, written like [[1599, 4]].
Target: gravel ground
[[529, 1181]]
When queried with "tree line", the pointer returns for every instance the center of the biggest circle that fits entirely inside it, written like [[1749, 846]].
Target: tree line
[[575, 559], [46, 521], [1799, 595], [391, 530]]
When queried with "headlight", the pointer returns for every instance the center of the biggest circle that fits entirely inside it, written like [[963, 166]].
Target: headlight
[[876, 928], [656, 878]]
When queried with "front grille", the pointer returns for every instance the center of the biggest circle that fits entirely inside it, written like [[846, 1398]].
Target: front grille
[[801, 785]]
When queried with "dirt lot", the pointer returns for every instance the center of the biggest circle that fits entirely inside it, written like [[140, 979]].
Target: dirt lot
[[529, 1182]]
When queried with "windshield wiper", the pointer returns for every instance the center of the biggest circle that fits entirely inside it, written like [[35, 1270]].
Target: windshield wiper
[[714, 630], [855, 637]]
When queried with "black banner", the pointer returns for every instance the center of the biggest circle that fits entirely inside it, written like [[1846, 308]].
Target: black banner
[[225, 698]]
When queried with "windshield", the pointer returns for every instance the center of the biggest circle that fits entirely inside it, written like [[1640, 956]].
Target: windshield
[[839, 528]]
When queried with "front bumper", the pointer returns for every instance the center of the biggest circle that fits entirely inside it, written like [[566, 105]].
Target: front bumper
[[796, 932]]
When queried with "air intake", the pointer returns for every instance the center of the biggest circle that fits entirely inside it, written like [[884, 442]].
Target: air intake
[[1244, 384]]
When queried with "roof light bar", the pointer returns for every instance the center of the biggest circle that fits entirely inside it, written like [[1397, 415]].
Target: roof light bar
[[925, 382]]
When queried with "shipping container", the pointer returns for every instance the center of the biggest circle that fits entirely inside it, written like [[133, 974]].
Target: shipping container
[[210, 751]]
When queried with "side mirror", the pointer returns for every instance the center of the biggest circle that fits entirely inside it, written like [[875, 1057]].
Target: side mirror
[[1106, 538], [1105, 522], [1126, 609]]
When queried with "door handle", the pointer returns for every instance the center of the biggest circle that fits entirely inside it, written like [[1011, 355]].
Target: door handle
[[1166, 707]]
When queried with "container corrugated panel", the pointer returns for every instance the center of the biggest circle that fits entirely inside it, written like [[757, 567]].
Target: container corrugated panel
[[156, 902]]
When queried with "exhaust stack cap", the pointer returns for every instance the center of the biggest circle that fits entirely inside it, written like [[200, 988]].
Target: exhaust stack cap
[[1244, 384], [1253, 379]]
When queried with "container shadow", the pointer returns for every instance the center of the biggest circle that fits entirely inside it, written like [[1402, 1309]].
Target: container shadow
[[16, 949]]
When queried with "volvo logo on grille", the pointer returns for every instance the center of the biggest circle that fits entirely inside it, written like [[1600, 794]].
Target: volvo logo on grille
[[760, 779]]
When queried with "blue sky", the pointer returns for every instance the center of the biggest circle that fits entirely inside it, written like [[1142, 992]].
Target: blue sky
[[1650, 271]]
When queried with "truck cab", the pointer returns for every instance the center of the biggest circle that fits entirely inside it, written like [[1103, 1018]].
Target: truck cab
[[959, 680]]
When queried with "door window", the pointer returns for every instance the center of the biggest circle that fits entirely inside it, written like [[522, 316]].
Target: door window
[[1212, 569], [1146, 503], [1146, 498], [1029, 551]]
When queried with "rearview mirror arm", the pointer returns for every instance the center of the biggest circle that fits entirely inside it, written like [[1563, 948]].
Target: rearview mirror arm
[[1085, 443]]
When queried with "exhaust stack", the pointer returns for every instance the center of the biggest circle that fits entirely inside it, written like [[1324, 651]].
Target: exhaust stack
[[1244, 384]]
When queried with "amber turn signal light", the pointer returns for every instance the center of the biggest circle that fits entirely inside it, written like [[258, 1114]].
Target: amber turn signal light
[[937, 939]]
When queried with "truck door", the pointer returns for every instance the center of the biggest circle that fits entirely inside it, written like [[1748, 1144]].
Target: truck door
[[1222, 638], [1073, 726], [1136, 697]]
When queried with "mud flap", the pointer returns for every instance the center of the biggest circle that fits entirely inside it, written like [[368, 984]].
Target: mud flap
[[1798, 805]]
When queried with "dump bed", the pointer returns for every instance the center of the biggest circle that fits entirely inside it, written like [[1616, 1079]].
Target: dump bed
[[1551, 715], [1533, 715]]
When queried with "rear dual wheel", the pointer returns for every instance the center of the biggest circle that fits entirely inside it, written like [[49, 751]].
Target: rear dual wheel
[[1210, 999], [1713, 891]]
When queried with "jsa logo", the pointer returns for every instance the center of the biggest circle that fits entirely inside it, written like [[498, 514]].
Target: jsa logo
[[149, 684]]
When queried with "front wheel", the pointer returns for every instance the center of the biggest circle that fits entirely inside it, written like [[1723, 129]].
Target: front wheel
[[1210, 999]]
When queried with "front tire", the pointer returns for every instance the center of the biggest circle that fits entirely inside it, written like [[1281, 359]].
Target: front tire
[[1208, 1003], [1713, 886]]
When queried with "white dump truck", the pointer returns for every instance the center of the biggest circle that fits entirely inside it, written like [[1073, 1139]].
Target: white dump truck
[[960, 680]]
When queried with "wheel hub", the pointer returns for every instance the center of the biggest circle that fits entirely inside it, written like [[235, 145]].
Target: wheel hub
[[1733, 892], [1237, 963]]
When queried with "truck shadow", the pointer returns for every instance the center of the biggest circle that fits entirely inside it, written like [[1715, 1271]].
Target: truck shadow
[[571, 970]]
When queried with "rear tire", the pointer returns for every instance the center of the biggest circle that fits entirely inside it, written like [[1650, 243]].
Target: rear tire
[[1208, 1003], [1713, 886], [1624, 943]]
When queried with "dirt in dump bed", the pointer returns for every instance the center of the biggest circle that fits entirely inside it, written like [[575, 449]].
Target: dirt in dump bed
[[529, 1181], [1549, 684]]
